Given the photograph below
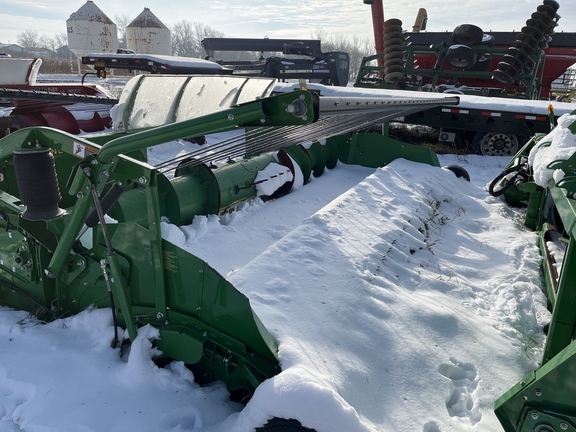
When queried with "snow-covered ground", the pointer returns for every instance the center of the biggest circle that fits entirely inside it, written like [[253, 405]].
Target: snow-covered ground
[[403, 298]]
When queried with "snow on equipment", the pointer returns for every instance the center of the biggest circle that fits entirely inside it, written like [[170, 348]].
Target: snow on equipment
[[71, 107], [512, 65], [60, 252], [307, 61], [542, 177]]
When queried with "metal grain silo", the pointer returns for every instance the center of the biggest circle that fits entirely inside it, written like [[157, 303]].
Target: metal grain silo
[[90, 31], [147, 35]]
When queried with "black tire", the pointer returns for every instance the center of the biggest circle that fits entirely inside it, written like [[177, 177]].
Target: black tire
[[467, 34], [537, 25], [393, 55], [513, 62], [394, 62], [392, 22], [282, 425], [519, 55], [461, 56], [394, 77], [527, 39], [488, 40], [483, 63], [548, 10], [395, 43], [531, 31], [392, 29], [503, 77], [393, 35], [523, 46], [459, 171], [393, 69], [543, 17], [508, 69], [552, 3], [392, 48]]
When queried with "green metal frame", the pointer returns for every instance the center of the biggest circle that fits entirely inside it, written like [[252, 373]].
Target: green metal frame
[[544, 399], [66, 263], [49, 268]]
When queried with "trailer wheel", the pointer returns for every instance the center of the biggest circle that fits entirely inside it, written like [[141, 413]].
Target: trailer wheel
[[461, 56], [467, 34], [495, 144], [283, 425]]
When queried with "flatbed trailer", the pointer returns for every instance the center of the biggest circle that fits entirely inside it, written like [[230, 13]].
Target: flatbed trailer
[[490, 126]]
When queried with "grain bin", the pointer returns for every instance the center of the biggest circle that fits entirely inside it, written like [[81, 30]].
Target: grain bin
[[90, 30], [148, 35]]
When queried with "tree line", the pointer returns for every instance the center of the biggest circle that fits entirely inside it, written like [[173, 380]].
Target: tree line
[[186, 41]]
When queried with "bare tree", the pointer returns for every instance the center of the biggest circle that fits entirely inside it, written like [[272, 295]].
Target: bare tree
[[121, 23], [28, 39], [183, 39], [187, 38], [61, 40], [50, 44], [356, 48]]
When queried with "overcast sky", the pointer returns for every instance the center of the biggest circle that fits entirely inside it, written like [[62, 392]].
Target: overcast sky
[[283, 18]]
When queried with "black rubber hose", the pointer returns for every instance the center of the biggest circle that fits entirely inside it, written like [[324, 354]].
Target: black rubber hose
[[491, 189]]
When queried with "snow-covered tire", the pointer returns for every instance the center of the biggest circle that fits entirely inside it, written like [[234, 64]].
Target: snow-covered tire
[[461, 56], [467, 34], [458, 171], [283, 425]]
